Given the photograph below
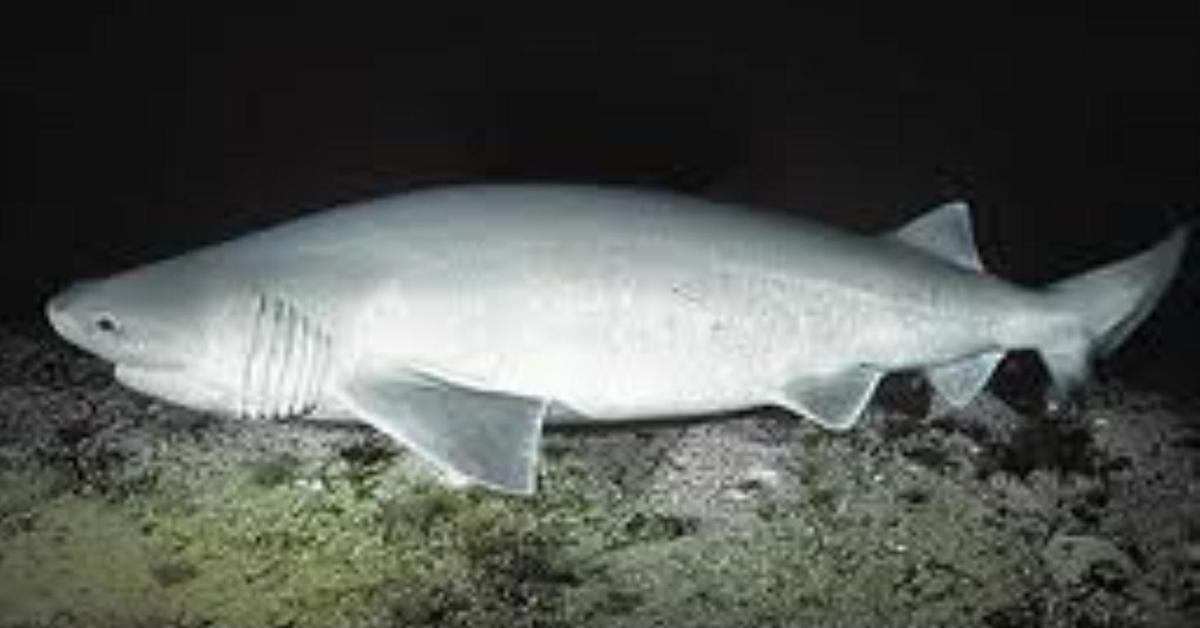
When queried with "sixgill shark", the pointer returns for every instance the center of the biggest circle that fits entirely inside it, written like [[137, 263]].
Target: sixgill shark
[[459, 320]]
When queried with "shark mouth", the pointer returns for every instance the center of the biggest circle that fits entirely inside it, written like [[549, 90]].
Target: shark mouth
[[174, 383]]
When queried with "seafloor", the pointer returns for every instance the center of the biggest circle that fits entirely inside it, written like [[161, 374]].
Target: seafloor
[[116, 510]]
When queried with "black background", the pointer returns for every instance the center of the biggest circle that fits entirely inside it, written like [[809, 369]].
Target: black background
[[130, 135]]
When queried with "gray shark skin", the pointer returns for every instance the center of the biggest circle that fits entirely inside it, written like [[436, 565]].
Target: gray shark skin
[[459, 320]]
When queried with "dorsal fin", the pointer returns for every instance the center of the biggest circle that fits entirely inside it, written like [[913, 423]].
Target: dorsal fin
[[945, 232]]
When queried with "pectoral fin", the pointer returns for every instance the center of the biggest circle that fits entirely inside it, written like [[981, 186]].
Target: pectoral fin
[[474, 436], [835, 401], [960, 381]]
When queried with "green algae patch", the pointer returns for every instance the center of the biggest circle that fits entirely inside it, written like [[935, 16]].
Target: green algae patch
[[78, 561], [347, 542], [321, 549]]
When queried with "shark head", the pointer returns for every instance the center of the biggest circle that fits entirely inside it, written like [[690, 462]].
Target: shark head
[[154, 327]]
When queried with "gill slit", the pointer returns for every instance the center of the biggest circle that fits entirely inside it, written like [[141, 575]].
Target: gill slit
[[286, 361]]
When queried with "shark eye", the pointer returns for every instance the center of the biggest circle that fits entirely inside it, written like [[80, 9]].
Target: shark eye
[[106, 323]]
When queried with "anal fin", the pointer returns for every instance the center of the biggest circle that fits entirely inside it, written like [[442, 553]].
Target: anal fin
[[836, 401], [958, 382], [473, 436]]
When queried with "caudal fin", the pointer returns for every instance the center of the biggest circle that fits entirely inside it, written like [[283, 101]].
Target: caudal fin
[[1110, 302]]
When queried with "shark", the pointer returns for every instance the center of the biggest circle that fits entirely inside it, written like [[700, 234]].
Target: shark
[[461, 320]]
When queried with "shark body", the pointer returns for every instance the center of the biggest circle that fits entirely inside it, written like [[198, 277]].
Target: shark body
[[460, 320]]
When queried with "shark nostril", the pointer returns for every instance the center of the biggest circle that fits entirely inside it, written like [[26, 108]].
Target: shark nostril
[[54, 308], [58, 303]]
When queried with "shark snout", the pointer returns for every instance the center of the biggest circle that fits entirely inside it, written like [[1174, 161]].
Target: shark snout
[[59, 311]]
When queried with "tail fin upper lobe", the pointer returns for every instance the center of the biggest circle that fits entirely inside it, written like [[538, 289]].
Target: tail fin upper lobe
[[1109, 302]]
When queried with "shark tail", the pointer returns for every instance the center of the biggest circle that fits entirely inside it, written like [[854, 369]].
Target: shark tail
[[1109, 303]]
